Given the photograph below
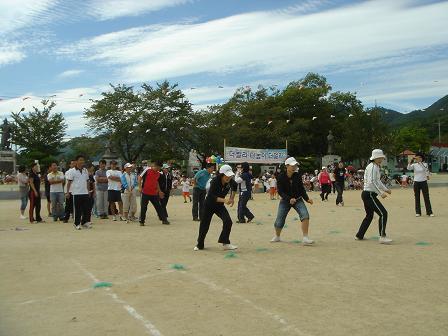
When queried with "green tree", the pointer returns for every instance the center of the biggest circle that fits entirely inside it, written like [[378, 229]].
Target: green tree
[[412, 138], [39, 133]]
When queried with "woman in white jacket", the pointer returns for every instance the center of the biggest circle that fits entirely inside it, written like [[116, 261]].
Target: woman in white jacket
[[372, 188], [421, 177]]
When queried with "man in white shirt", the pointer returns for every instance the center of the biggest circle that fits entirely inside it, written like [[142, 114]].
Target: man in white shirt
[[78, 180], [56, 180], [421, 177], [114, 190]]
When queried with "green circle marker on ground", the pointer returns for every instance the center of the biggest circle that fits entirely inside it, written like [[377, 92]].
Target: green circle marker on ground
[[374, 238], [296, 241], [178, 267], [102, 284], [286, 226], [262, 249], [423, 243], [259, 223], [230, 255], [335, 231]]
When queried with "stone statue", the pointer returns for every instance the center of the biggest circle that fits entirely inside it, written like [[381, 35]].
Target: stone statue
[[6, 135], [330, 139]]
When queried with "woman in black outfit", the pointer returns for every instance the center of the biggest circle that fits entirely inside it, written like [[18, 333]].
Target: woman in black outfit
[[214, 205]]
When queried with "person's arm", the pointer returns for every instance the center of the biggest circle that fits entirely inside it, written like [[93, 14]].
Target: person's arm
[[238, 177], [233, 190], [411, 165], [376, 181], [213, 192], [100, 179], [302, 191], [30, 182]]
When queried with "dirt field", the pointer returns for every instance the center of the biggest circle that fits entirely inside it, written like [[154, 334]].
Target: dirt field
[[337, 287]]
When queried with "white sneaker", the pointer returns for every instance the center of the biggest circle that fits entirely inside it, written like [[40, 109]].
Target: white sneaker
[[276, 239], [122, 219], [77, 227], [418, 215], [114, 219], [87, 225], [196, 248], [431, 215], [385, 240], [357, 238], [228, 247], [23, 217], [307, 241]]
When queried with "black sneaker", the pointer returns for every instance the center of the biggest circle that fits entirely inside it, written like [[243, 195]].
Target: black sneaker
[[166, 222], [250, 219]]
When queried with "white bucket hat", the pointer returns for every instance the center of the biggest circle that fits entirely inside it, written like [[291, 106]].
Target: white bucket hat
[[376, 154], [226, 170], [291, 162]]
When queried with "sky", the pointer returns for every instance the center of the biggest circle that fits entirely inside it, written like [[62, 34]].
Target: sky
[[392, 52]]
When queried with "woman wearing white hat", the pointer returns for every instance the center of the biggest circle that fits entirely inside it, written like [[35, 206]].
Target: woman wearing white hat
[[372, 188], [214, 205], [293, 195]]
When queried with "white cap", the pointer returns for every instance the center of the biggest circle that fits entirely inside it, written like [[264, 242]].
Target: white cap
[[128, 165], [324, 167], [166, 166], [226, 170], [376, 154], [291, 162]]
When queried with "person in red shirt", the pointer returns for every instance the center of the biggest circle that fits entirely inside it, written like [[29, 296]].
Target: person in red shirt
[[325, 183], [150, 192]]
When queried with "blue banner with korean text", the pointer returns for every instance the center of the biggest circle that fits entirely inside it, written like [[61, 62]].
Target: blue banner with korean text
[[236, 154]]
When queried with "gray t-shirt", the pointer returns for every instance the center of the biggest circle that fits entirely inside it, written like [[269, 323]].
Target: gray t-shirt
[[101, 186], [22, 181]]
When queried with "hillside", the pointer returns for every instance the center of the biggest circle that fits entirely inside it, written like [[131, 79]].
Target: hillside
[[426, 118]]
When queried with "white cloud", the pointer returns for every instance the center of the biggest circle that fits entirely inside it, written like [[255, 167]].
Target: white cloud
[[70, 73], [10, 53], [111, 9], [271, 43]]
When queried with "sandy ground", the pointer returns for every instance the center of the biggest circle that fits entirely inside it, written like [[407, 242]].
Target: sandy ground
[[337, 287]]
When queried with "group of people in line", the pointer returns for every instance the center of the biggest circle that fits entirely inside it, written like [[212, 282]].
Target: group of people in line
[[113, 192]]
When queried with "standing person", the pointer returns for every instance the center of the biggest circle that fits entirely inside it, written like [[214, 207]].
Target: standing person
[[68, 200], [199, 190], [372, 188], [78, 184], [421, 177], [56, 180], [34, 194], [129, 196], [92, 191], [339, 183], [215, 204], [166, 184], [22, 181], [404, 180], [272, 186], [150, 192], [244, 179], [114, 190], [185, 183], [47, 191], [325, 184], [292, 195], [102, 182], [333, 179]]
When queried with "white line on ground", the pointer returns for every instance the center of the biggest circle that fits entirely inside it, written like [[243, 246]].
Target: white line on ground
[[212, 285], [149, 326]]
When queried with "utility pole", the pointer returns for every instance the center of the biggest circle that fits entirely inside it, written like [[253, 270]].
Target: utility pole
[[440, 138]]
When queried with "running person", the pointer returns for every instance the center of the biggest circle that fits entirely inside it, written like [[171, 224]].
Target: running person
[[293, 195], [421, 177], [214, 204], [325, 183], [339, 183], [372, 188]]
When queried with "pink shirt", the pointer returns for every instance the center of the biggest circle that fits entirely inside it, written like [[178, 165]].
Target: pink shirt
[[324, 178]]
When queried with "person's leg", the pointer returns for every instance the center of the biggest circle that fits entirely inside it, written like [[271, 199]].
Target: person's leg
[[60, 201], [283, 210], [382, 213], [202, 194], [133, 206], [48, 196], [163, 203], [425, 191], [120, 207], [195, 207], [54, 205], [304, 216], [322, 191], [204, 226], [155, 201], [23, 204], [126, 204], [246, 212], [224, 237], [38, 208], [418, 208], [77, 207], [32, 205], [327, 191], [87, 205], [368, 207], [68, 207], [143, 207], [240, 213], [339, 191]]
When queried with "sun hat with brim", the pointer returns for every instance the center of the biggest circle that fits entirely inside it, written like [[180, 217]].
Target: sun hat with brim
[[376, 154], [226, 170], [128, 165], [291, 162]]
